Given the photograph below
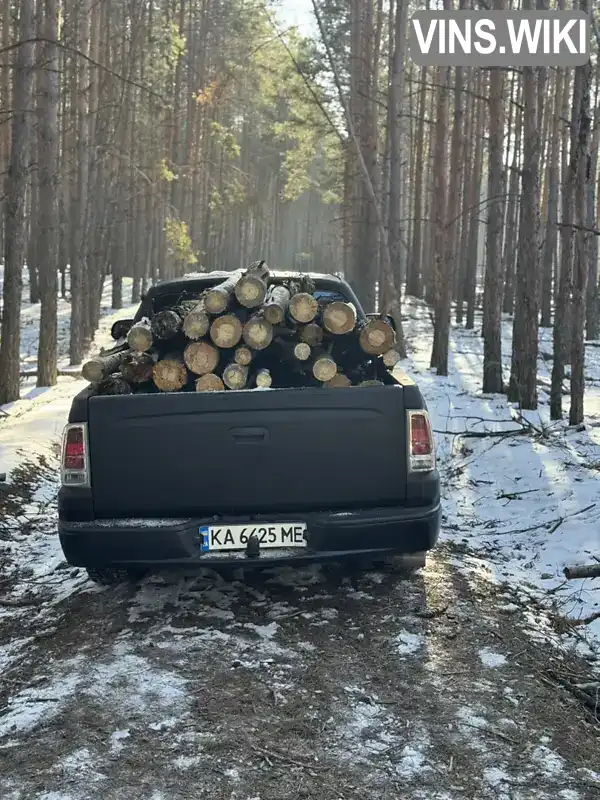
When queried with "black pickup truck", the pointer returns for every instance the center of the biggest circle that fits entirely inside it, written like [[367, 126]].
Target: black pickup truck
[[247, 478]]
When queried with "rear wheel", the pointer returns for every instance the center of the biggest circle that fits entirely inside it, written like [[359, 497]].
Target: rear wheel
[[110, 576]]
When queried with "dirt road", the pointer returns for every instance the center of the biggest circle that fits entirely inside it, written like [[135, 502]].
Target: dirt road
[[317, 684]]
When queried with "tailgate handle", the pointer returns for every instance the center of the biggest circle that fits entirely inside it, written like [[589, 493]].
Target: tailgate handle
[[250, 435]]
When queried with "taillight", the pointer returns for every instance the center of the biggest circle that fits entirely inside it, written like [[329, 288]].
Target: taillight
[[421, 443], [74, 461]]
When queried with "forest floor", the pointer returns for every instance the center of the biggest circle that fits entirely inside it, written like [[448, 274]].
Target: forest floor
[[320, 683]]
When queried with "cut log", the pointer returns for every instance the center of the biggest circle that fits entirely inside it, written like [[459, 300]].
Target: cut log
[[324, 368], [166, 324], [235, 376], [226, 331], [584, 571], [302, 351], [339, 318], [114, 384], [100, 367], [251, 289], [170, 374], [391, 358], [243, 355], [140, 336], [312, 334], [201, 358], [276, 303], [338, 380], [377, 337], [263, 379], [196, 322], [138, 367], [303, 307], [371, 383], [219, 298], [258, 332], [210, 383]]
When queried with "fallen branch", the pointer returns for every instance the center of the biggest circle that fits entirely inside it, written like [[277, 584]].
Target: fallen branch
[[590, 702], [555, 524], [586, 620], [484, 434], [10, 602], [584, 571]]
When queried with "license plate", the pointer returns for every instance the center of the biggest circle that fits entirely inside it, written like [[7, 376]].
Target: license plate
[[235, 537]]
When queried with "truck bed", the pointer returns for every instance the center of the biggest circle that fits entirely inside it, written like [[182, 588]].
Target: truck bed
[[190, 454]]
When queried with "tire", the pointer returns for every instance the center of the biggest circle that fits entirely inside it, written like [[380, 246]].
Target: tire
[[108, 576]]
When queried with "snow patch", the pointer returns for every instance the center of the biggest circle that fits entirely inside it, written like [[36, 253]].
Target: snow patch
[[413, 760], [491, 659], [116, 741], [549, 762], [408, 643]]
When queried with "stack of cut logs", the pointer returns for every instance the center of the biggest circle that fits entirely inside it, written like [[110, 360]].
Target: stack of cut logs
[[246, 333]]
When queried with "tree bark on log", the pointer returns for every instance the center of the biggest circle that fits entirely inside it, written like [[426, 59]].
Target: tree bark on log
[[166, 324], [140, 336], [258, 332], [276, 304], [226, 331], [218, 299], [138, 367], [376, 337], [251, 289], [113, 384], [170, 374], [210, 383], [585, 571], [201, 358], [339, 318], [235, 376], [101, 367]]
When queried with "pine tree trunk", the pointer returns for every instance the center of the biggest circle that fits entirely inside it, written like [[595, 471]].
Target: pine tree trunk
[[562, 311], [475, 209], [592, 322], [414, 285], [492, 300], [523, 380], [441, 332], [15, 223], [580, 265], [48, 155], [549, 253]]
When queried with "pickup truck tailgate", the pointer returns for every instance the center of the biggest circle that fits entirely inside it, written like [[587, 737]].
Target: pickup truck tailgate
[[189, 454]]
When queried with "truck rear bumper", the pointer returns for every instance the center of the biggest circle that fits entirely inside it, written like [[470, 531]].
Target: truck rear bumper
[[164, 543]]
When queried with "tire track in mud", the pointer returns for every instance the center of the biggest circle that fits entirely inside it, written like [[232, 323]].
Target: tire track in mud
[[313, 683]]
